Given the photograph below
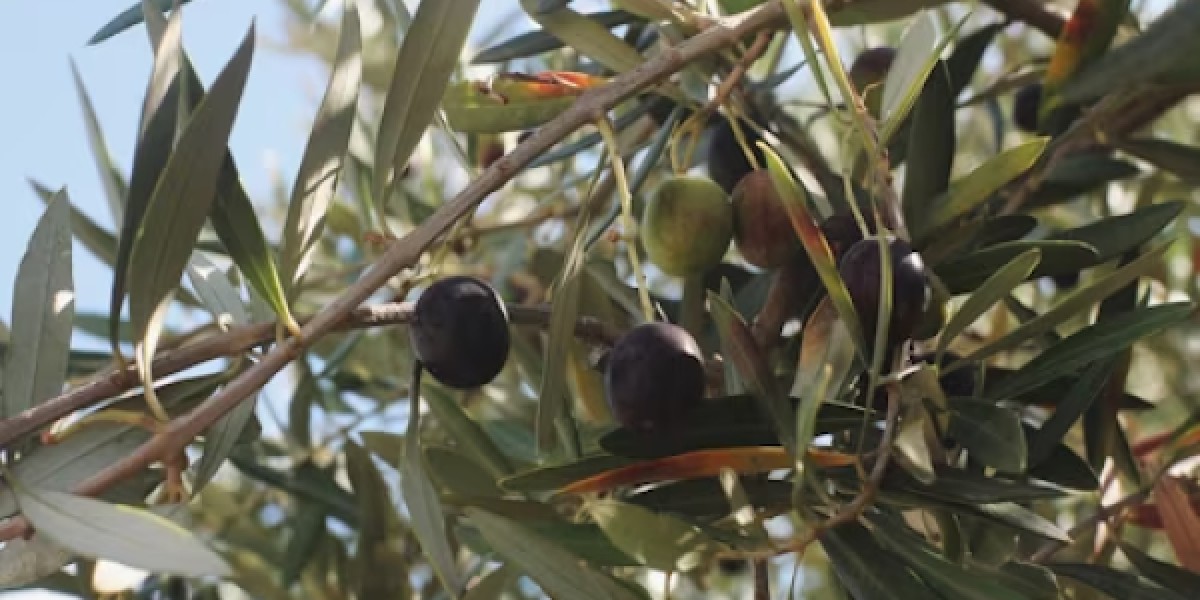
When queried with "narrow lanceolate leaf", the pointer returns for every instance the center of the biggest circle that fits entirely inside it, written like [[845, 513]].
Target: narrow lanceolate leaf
[[659, 541], [131, 536], [588, 37], [752, 366], [1087, 387], [915, 58], [95, 238], [321, 166], [559, 572], [425, 508], [426, 60], [1097, 341], [866, 569], [537, 42], [43, 312], [1114, 583], [128, 18], [216, 293], [113, 191], [999, 285], [373, 575], [1069, 306], [931, 144], [970, 191], [156, 135], [184, 194]]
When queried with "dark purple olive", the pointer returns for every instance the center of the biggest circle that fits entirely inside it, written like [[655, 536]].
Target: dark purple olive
[[860, 268], [869, 71], [654, 376], [761, 226], [1026, 103], [459, 332], [841, 232], [727, 163]]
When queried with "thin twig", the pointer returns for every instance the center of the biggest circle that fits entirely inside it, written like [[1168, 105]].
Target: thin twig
[[242, 339], [406, 251]]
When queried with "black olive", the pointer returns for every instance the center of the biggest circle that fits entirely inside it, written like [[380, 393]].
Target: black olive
[[459, 332], [860, 269], [841, 232], [654, 376], [1026, 103], [727, 163]]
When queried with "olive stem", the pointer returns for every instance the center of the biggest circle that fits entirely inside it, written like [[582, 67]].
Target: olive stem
[[691, 305], [762, 579]]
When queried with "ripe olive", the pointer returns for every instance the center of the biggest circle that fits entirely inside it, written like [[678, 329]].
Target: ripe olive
[[459, 332], [869, 71], [727, 162], [841, 232], [654, 375], [1026, 103], [762, 228], [860, 268], [687, 225]]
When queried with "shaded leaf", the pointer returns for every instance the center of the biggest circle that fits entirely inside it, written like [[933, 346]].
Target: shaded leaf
[[1176, 158], [1114, 236], [559, 572], [968, 273], [931, 147], [374, 575], [1165, 574], [424, 506], [586, 36], [1086, 389], [861, 566], [540, 41], [1116, 584], [130, 17], [43, 313], [659, 541], [992, 434], [114, 190], [998, 285]]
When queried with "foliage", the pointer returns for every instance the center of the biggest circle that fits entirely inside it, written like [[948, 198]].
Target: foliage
[[1044, 393]]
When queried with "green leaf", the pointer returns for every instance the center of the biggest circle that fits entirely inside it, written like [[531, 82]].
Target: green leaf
[[1077, 174], [217, 294], [1114, 236], [321, 166], [991, 434], [459, 474], [915, 58], [930, 148], [868, 570], [705, 498], [134, 537], [968, 273], [1000, 284], [586, 36], [96, 239], [1179, 159], [114, 190], [541, 41], [751, 364], [951, 580], [306, 482], [1087, 388], [555, 477], [427, 58], [468, 110], [1022, 519], [156, 135], [424, 506], [128, 18], [1092, 343], [466, 433], [972, 190], [1165, 44], [373, 569], [1163, 573], [967, 56], [659, 541], [308, 530], [1067, 308], [43, 313], [183, 196], [559, 572], [219, 440], [1116, 584]]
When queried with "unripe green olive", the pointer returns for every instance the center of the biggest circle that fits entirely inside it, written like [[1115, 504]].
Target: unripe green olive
[[762, 228], [687, 225], [860, 269], [654, 376], [459, 332]]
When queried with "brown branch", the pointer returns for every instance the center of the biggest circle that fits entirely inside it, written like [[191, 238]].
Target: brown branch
[[242, 339], [404, 252], [1032, 12]]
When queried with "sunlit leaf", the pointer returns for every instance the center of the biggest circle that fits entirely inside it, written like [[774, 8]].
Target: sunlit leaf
[[659, 541]]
